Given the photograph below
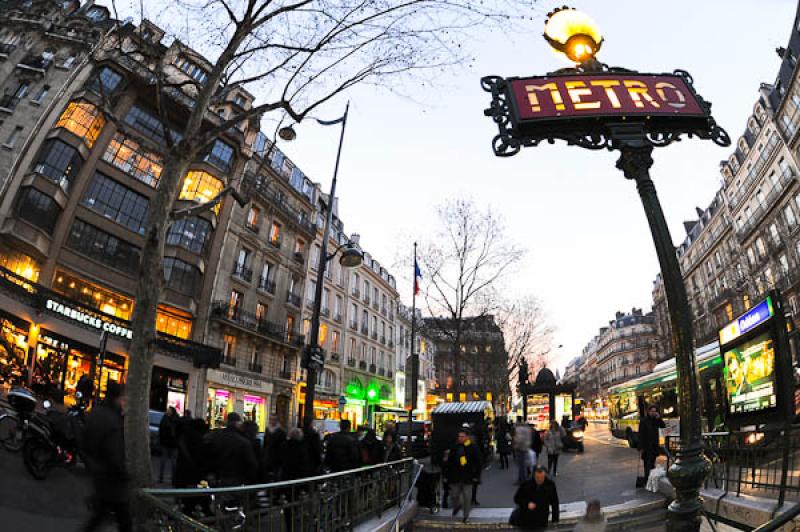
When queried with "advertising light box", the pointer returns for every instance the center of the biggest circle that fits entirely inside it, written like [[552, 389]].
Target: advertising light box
[[750, 380]]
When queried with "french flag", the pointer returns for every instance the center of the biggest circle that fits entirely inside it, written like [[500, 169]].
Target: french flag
[[417, 277]]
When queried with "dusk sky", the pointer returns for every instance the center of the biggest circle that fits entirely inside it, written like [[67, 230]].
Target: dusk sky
[[589, 247]]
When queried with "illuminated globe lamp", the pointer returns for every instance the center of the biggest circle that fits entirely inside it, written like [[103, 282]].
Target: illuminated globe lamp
[[573, 34]]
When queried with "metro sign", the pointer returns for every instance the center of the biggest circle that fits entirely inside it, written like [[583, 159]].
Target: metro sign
[[583, 108]]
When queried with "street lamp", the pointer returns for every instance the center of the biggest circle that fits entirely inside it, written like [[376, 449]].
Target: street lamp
[[351, 257], [597, 107]]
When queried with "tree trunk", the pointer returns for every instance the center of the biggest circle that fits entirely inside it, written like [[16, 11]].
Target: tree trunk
[[143, 326]]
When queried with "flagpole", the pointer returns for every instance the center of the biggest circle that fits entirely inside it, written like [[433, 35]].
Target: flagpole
[[414, 356]]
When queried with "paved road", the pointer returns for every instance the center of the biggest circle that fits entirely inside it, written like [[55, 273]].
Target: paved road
[[606, 471]]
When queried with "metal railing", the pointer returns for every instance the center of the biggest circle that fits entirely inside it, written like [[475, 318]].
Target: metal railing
[[762, 463], [334, 502]]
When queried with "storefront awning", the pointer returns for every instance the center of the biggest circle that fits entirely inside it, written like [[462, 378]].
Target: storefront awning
[[382, 408]]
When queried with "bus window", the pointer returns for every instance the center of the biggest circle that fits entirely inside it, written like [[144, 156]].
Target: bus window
[[714, 403], [669, 403]]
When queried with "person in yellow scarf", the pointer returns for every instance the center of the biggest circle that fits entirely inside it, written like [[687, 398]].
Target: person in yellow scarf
[[463, 468]]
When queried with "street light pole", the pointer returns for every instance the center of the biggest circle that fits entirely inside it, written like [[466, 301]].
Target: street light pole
[[313, 346], [690, 466]]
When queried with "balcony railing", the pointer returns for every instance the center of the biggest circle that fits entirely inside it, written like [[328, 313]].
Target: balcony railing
[[7, 49], [249, 321], [775, 192], [384, 311], [391, 343], [294, 299], [229, 360], [372, 368], [275, 242], [266, 285], [9, 101], [243, 272], [325, 311], [299, 257], [255, 367], [355, 293], [253, 227], [374, 336], [362, 364], [381, 372], [276, 198], [36, 62], [351, 362], [389, 374], [285, 374], [366, 299], [383, 339], [334, 356], [364, 329], [755, 171], [354, 325], [337, 317], [727, 294]]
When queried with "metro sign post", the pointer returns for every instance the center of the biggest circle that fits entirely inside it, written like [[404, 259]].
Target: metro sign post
[[597, 107]]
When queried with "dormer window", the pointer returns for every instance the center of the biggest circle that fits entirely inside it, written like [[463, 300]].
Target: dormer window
[[97, 14], [743, 146], [192, 69], [240, 101]]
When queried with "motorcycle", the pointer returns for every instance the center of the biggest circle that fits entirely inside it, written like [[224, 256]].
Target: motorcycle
[[53, 439], [14, 424]]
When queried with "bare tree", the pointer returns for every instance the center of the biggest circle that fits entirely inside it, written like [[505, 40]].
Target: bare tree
[[296, 55], [468, 258], [527, 333]]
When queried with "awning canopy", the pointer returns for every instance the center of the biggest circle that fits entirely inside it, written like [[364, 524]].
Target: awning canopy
[[381, 408], [467, 407]]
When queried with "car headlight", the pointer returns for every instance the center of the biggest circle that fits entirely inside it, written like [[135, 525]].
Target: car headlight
[[577, 434], [754, 437]]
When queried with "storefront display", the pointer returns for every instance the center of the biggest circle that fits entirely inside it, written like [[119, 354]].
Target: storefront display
[[168, 388], [254, 408], [236, 392], [13, 350], [219, 404], [539, 410]]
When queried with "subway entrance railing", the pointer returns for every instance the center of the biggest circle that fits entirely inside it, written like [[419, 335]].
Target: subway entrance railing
[[330, 503]]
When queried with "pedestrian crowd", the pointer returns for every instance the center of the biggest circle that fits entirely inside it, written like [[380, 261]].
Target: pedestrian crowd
[[193, 455]]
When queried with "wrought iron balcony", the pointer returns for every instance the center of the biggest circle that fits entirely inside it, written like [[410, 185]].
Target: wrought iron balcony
[[253, 227], [338, 317], [266, 285], [351, 362], [784, 179], [372, 368], [299, 257], [364, 329], [229, 360], [362, 364], [334, 355], [381, 372], [294, 299], [389, 374], [376, 305], [354, 325], [275, 242], [384, 311], [391, 342], [275, 197], [325, 311], [255, 367], [38, 63], [7, 49], [374, 336], [355, 292], [250, 322], [725, 295], [366, 299], [9, 101], [383, 339], [285, 374], [242, 272]]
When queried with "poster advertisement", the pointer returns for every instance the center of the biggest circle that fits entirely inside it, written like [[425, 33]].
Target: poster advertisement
[[750, 375], [539, 410]]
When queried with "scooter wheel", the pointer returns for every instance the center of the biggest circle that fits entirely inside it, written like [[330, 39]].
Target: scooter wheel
[[38, 457]]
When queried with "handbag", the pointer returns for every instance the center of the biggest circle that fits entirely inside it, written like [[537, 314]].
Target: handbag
[[641, 481]]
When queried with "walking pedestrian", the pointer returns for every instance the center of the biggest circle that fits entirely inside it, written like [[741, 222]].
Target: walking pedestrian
[[594, 520], [274, 437], [371, 448], [476, 479], [536, 500], [341, 453], [104, 441], [168, 442], [503, 437], [391, 452], [250, 432], [463, 465], [230, 457], [649, 439], [521, 444], [295, 456], [553, 444], [313, 444], [189, 467]]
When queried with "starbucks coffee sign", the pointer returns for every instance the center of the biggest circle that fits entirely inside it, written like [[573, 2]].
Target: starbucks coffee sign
[[88, 319]]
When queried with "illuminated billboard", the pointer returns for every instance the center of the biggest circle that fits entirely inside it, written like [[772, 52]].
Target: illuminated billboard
[[750, 378]]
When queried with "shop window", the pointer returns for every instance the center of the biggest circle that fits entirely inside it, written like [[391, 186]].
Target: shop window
[[59, 162], [190, 233], [150, 126], [221, 156], [168, 322], [21, 264], [254, 410], [84, 120], [105, 81], [201, 187], [127, 155], [38, 209], [220, 403], [117, 202], [93, 296], [180, 276], [103, 247], [168, 389]]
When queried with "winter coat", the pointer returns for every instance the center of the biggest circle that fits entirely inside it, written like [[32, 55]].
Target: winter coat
[[104, 447], [371, 450], [553, 440], [544, 496], [503, 442], [314, 446], [230, 457], [342, 452], [648, 435], [270, 454], [591, 526], [189, 466], [295, 461], [168, 432], [536, 442], [463, 463], [522, 438], [392, 453]]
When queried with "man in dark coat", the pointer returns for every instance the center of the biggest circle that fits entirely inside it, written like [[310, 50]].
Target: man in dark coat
[[648, 439], [341, 451], [463, 467], [168, 442], [104, 443], [229, 456], [535, 499], [274, 437], [294, 455]]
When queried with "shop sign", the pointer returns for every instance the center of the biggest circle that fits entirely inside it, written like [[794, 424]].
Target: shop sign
[[747, 321], [89, 319], [236, 380]]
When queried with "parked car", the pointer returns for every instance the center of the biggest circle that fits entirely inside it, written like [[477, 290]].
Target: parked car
[[154, 421], [573, 439]]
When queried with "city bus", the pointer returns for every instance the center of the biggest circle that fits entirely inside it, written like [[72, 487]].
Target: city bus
[[627, 401]]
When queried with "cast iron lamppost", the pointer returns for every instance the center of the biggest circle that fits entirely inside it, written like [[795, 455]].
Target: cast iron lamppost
[[313, 355], [597, 107]]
